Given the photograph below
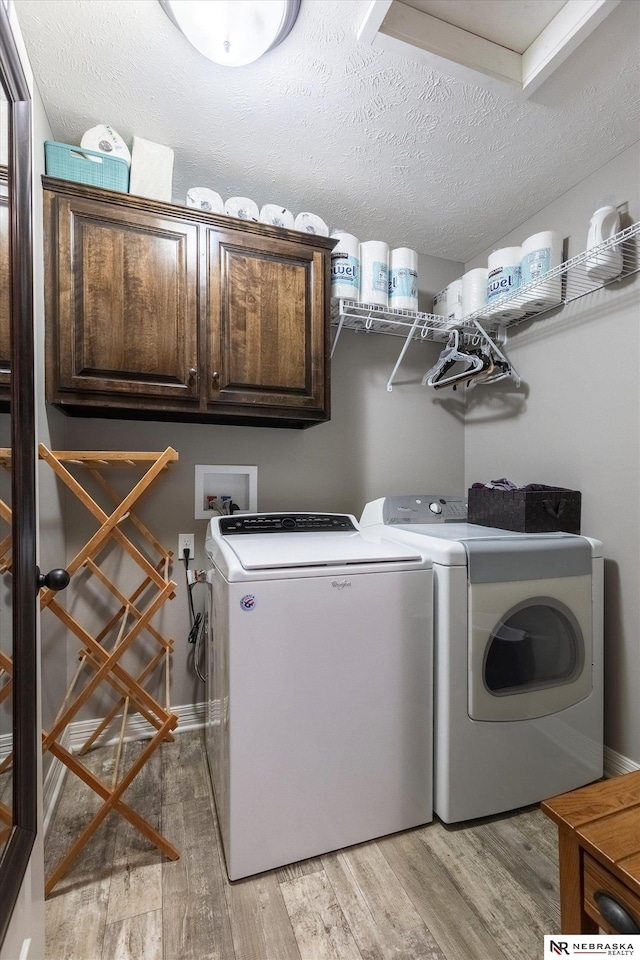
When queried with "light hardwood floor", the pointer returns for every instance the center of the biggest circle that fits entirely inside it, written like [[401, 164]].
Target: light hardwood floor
[[486, 890]]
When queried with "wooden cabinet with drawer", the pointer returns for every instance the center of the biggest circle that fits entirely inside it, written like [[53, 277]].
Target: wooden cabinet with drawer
[[164, 312], [599, 853]]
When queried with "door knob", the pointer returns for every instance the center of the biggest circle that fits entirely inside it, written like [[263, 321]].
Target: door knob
[[193, 373], [215, 375], [56, 579]]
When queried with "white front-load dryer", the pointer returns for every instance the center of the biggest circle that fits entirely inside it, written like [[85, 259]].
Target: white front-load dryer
[[518, 658]]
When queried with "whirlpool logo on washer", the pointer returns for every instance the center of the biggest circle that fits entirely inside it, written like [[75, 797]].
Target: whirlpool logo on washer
[[248, 602], [340, 584]]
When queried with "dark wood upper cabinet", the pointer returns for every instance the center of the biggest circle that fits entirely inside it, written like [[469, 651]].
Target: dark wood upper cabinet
[[266, 323], [157, 311]]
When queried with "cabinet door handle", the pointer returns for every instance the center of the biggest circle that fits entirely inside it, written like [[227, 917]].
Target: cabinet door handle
[[215, 376], [193, 373], [615, 914]]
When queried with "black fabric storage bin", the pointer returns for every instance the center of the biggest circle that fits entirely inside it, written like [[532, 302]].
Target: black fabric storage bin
[[526, 511]]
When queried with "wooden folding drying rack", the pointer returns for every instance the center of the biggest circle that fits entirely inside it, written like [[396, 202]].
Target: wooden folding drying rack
[[101, 652]]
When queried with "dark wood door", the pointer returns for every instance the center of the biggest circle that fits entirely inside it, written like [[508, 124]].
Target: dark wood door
[[266, 322], [122, 309], [18, 623], [5, 326]]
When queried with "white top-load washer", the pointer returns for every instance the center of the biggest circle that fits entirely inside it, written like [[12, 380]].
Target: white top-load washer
[[319, 686], [518, 658]]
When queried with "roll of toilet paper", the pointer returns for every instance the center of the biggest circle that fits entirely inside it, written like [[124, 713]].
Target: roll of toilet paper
[[474, 290], [311, 223], [345, 266], [403, 279], [243, 208], [454, 302], [276, 216], [374, 272], [503, 281], [540, 254], [205, 199], [104, 139], [440, 304]]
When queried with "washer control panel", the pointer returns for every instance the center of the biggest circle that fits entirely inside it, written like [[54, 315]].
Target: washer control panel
[[286, 523], [424, 508]]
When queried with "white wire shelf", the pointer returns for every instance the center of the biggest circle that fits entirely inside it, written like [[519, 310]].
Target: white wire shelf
[[372, 318], [575, 278]]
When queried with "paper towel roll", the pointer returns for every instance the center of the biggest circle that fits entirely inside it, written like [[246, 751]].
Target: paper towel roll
[[440, 304], [345, 266], [454, 302], [403, 279], [474, 290], [541, 253], [104, 139], [503, 280], [151, 169], [374, 272]]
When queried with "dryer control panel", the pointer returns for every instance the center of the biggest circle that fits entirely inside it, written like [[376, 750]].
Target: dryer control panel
[[286, 523], [424, 508]]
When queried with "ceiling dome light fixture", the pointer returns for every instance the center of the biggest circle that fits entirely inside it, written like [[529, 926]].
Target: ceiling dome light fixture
[[233, 32]]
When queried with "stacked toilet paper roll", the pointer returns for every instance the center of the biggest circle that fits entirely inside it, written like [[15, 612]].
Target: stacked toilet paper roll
[[474, 290], [403, 279], [504, 281], [345, 266], [374, 272], [454, 302], [541, 253]]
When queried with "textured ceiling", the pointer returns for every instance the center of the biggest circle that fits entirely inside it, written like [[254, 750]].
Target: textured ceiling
[[372, 142]]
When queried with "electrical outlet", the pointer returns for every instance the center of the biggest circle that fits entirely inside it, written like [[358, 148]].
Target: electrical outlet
[[186, 541]]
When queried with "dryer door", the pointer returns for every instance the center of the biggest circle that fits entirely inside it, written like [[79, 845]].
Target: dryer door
[[530, 647]]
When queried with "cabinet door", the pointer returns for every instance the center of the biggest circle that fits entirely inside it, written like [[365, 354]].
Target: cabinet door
[[123, 298], [267, 327], [5, 318]]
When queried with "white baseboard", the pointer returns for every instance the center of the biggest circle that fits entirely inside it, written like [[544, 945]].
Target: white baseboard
[[53, 783], [616, 763], [191, 716]]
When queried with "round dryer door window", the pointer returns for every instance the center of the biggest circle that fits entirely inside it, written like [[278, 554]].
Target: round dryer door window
[[537, 645], [530, 652]]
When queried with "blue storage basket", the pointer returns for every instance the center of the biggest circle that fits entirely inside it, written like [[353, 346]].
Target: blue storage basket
[[68, 162]]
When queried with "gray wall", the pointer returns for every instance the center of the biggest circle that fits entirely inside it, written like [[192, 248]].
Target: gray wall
[[576, 422]]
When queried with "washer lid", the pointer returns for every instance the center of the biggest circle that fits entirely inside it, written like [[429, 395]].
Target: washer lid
[[279, 550]]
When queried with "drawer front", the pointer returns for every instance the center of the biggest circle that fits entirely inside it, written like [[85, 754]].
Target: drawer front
[[597, 878]]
